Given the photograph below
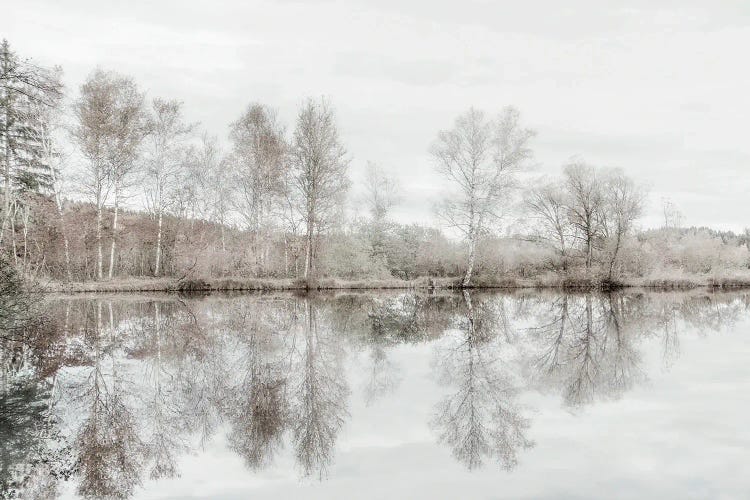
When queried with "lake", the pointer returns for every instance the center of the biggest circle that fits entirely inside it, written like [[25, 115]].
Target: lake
[[410, 395]]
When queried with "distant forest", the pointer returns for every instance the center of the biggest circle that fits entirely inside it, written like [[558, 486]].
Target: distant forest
[[273, 204]]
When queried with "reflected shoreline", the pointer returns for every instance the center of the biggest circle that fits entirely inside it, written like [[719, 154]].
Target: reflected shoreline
[[109, 392]]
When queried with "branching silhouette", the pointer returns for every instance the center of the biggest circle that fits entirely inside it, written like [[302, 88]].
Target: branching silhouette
[[481, 419], [112, 392]]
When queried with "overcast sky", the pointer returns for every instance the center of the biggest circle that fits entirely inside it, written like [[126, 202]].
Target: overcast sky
[[659, 89]]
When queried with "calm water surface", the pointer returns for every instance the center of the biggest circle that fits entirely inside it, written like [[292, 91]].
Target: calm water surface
[[368, 396]]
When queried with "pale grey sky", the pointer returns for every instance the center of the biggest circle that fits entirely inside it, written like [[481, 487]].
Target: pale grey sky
[[656, 88]]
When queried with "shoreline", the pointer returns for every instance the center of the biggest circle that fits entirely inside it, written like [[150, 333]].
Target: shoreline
[[171, 285]]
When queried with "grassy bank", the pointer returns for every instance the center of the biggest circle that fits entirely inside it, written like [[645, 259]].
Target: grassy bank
[[682, 282], [240, 284]]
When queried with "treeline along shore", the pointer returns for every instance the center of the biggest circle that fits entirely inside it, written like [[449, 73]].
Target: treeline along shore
[[103, 189], [264, 285]]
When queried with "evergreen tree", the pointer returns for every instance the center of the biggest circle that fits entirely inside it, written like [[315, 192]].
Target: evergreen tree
[[24, 89]]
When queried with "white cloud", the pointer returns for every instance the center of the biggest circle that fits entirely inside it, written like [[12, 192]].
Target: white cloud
[[657, 90]]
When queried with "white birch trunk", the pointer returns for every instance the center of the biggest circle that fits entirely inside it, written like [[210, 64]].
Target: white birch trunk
[[158, 245], [6, 186], [308, 250], [99, 255], [114, 232], [472, 258], [473, 235], [13, 233], [286, 256], [63, 230], [25, 216]]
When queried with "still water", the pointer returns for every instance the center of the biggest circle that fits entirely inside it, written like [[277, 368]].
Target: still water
[[380, 395]]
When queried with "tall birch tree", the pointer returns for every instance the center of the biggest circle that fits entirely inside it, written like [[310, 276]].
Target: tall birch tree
[[259, 157], [103, 101], [127, 132], [165, 160], [479, 157], [319, 172]]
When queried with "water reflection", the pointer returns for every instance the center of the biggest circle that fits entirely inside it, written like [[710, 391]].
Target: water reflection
[[111, 392], [480, 418], [587, 347]]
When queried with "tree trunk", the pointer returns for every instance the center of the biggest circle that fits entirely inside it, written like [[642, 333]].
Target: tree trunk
[[60, 214], [114, 233], [470, 315], [563, 250], [158, 246], [613, 259], [286, 256], [13, 233], [4, 224], [25, 215], [309, 249], [475, 224], [6, 175], [99, 256], [472, 258], [265, 260], [6, 215]]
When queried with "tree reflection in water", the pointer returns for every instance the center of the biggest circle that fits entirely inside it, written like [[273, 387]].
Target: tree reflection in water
[[587, 347], [107, 448], [318, 393], [115, 391], [257, 407], [480, 419]]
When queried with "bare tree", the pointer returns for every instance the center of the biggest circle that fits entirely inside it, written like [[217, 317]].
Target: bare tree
[[96, 114], [381, 194], [672, 216], [479, 157], [165, 161], [127, 132], [319, 167], [221, 195], [585, 206], [288, 213], [209, 185], [194, 196], [547, 204], [205, 188], [624, 204], [259, 157]]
